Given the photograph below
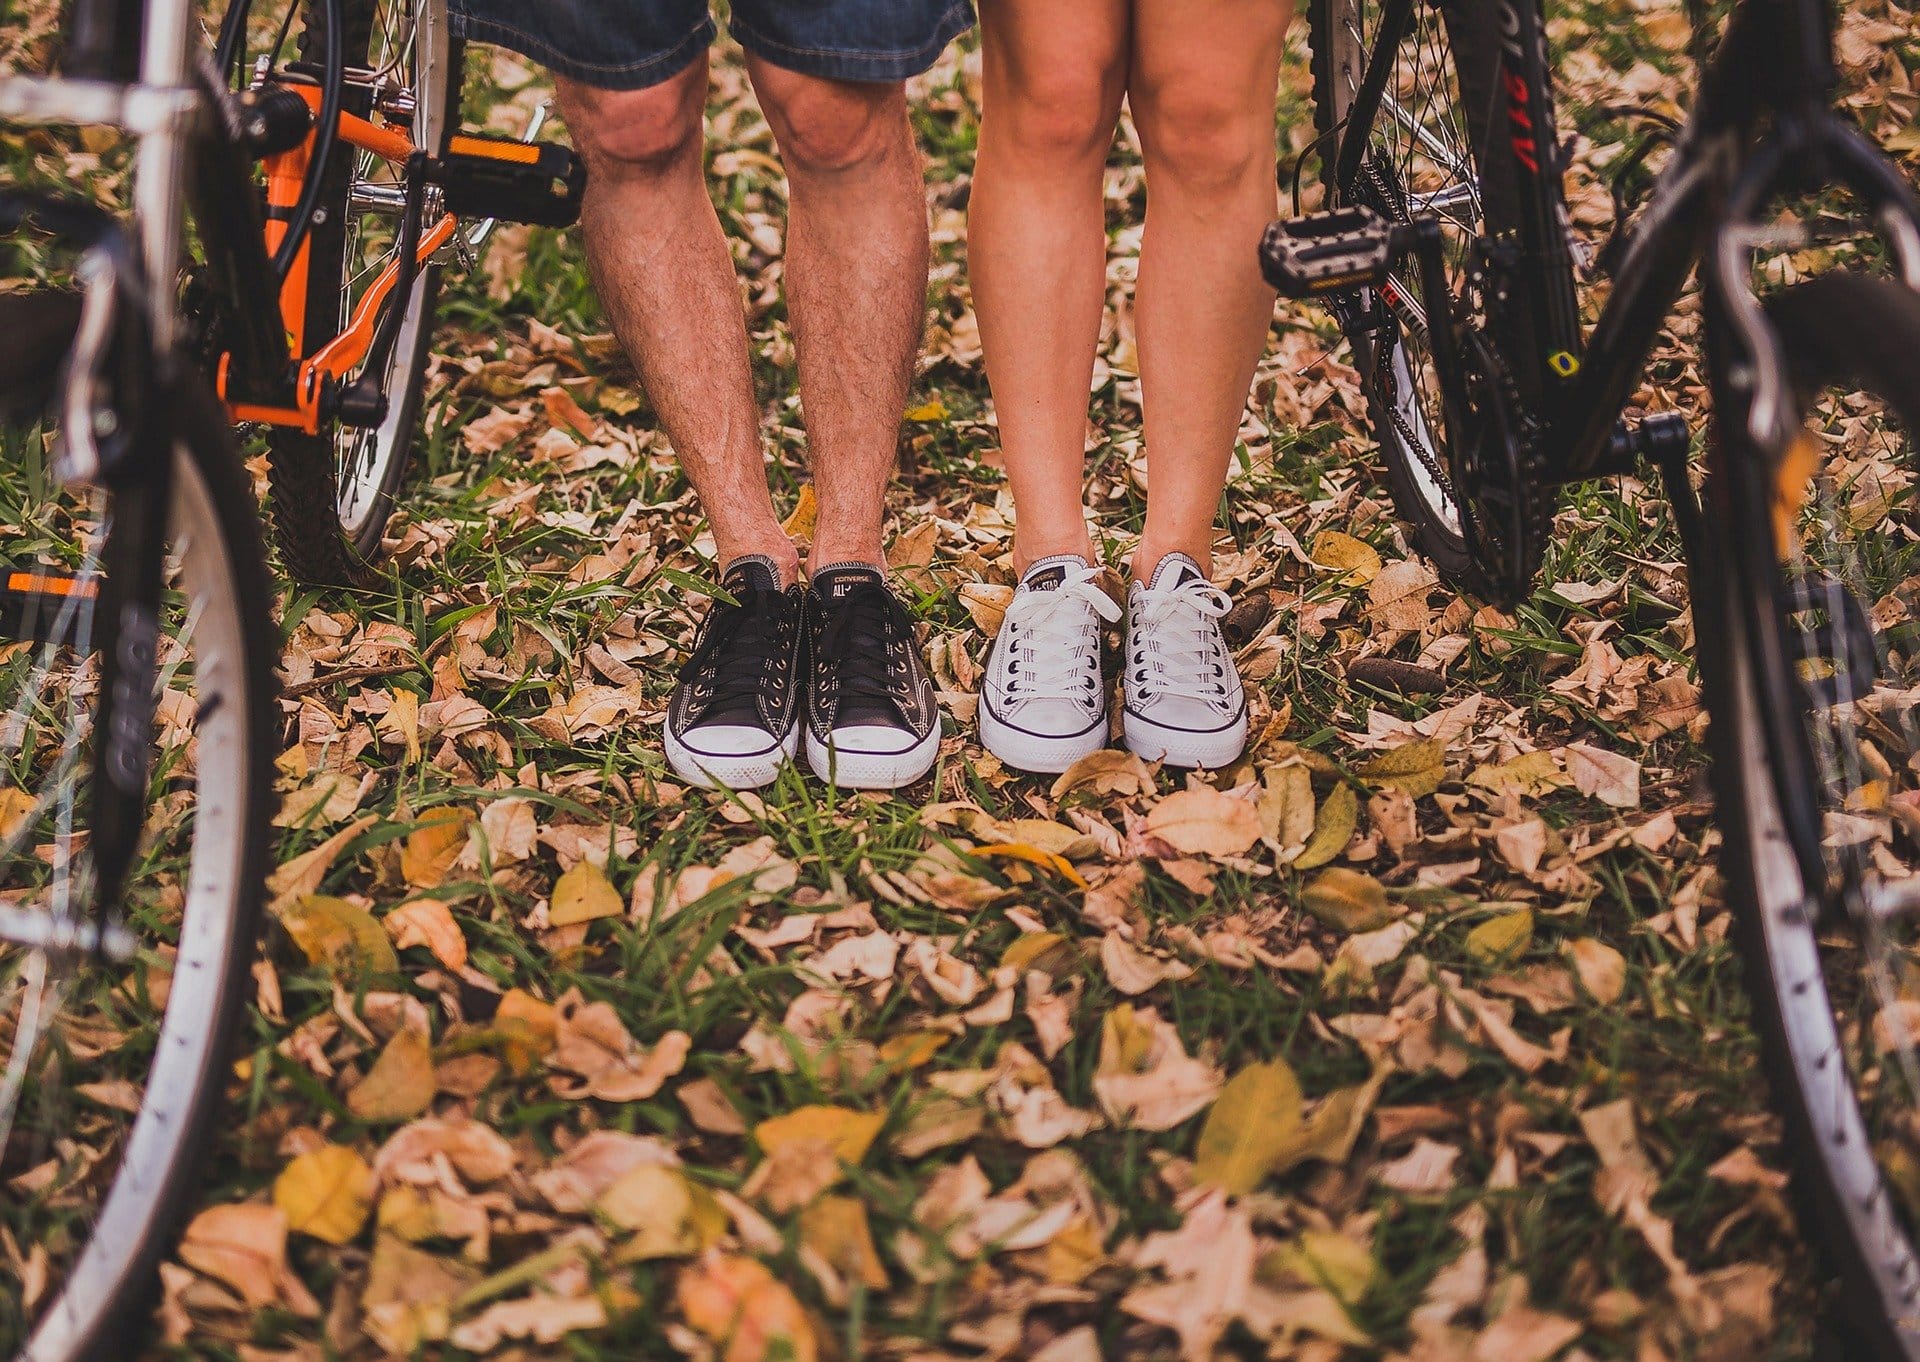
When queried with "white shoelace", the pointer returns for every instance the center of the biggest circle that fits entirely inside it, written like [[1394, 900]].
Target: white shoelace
[[1177, 648], [1055, 650]]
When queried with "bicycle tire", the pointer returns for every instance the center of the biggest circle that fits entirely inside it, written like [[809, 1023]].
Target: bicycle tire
[[101, 1301], [1862, 331], [1406, 423], [333, 492]]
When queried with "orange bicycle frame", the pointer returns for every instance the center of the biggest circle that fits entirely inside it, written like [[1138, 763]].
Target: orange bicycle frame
[[286, 174]]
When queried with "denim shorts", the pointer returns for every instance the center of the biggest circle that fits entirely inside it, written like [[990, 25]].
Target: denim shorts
[[631, 44]]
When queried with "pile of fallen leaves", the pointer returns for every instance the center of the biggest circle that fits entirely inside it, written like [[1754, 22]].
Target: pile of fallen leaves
[[1413, 1034]]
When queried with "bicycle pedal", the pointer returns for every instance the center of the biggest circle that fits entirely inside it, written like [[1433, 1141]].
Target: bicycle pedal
[[1331, 252], [40, 605], [498, 177]]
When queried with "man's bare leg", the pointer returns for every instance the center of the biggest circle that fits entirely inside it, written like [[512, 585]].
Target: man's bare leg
[[856, 277], [663, 272]]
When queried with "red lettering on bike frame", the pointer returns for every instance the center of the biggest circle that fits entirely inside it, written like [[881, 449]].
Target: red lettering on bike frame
[[1520, 120]]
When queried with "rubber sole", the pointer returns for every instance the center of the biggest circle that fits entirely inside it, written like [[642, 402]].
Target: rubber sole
[[1178, 747], [746, 771], [1029, 752], [872, 770]]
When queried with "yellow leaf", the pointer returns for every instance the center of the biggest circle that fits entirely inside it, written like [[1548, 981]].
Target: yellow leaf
[[1252, 1122], [1332, 828], [427, 922], [987, 602], [1048, 951], [671, 1215], [1333, 1126], [1417, 768], [1530, 773], [326, 1193], [806, 510], [1205, 823], [1501, 938], [1053, 861], [1602, 969], [1349, 901], [402, 721], [15, 805], [527, 1029], [1358, 560], [583, 894], [835, 1227], [912, 1049], [1286, 808], [745, 1311], [1072, 1255], [847, 1133], [400, 1084], [340, 935], [1328, 1259], [302, 875], [933, 409], [433, 845], [1109, 771]]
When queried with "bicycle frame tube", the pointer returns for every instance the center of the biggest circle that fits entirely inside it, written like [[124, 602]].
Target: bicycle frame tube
[[1769, 59], [286, 173]]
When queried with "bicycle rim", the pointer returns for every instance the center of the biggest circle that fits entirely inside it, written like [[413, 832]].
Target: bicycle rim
[[1418, 161], [413, 51], [1822, 744], [110, 1070]]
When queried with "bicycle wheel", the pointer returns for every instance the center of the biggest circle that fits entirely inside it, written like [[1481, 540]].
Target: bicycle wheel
[[333, 492], [113, 1066], [1812, 660], [1419, 158]]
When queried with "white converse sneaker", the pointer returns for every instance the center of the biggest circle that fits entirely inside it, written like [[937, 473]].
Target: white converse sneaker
[[1043, 705], [1184, 702]]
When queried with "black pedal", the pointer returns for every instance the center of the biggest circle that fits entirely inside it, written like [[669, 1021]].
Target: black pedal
[[1322, 253], [498, 177]]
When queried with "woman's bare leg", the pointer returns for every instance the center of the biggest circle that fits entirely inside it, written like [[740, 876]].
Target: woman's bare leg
[[1201, 86], [1055, 73]]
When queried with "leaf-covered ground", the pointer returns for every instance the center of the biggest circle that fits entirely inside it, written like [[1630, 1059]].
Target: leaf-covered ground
[[1415, 1034]]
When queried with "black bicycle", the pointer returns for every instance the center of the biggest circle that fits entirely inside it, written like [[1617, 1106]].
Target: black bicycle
[[1445, 251], [137, 727]]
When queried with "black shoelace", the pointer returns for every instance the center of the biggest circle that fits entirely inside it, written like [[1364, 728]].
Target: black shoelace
[[860, 649], [741, 655]]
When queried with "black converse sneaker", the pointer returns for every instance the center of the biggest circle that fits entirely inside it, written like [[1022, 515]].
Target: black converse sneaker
[[1043, 705], [872, 721], [734, 719], [1185, 704]]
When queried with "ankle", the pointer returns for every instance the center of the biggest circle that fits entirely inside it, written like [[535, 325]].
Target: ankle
[[828, 554], [776, 549], [1147, 556], [1027, 552]]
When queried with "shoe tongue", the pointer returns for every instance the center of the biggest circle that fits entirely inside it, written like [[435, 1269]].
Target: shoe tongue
[[756, 572], [1049, 573], [834, 582], [1175, 570]]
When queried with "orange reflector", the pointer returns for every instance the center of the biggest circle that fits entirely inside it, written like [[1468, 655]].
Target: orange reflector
[[521, 153], [34, 584]]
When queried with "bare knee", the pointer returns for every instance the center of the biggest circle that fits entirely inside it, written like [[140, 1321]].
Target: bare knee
[[1204, 140], [625, 134], [1061, 115], [828, 126]]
